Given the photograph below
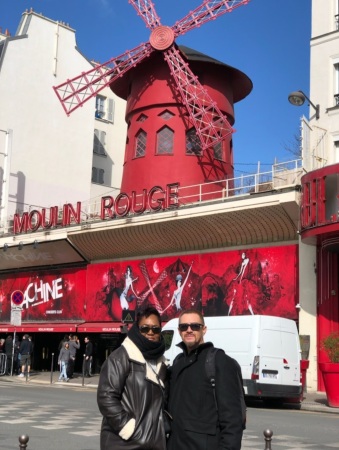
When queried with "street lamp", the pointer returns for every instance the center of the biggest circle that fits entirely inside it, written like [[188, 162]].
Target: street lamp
[[297, 98]]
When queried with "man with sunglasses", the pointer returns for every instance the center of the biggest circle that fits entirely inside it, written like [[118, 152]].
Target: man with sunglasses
[[204, 417], [131, 389]]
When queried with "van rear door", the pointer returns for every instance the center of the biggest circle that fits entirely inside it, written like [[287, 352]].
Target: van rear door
[[271, 359]]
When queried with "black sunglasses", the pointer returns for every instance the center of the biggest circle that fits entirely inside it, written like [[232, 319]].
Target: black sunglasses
[[144, 329], [192, 326]]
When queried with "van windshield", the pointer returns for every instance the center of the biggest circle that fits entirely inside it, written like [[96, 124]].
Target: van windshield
[[168, 337]]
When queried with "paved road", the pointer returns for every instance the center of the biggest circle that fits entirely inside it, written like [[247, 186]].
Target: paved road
[[63, 416], [54, 418]]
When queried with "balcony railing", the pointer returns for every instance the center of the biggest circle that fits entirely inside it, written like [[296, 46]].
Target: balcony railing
[[281, 175]]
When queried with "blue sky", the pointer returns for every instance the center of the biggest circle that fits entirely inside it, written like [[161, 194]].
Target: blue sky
[[266, 39]]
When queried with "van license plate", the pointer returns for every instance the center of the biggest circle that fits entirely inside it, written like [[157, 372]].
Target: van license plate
[[270, 375]]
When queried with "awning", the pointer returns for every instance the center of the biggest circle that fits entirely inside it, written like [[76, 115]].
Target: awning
[[6, 328], [39, 255], [99, 327], [46, 328]]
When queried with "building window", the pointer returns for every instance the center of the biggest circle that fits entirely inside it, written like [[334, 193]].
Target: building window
[[193, 144], [140, 144], [336, 84], [104, 108], [336, 147], [165, 139], [99, 143], [97, 175], [166, 115], [142, 118]]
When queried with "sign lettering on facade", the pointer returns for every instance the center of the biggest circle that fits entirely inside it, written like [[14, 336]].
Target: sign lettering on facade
[[156, 199]]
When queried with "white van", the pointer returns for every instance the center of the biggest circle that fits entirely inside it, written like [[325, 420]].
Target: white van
[[266, 347]]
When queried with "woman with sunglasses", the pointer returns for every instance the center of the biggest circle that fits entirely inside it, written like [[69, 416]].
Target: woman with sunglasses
[[131, 389]]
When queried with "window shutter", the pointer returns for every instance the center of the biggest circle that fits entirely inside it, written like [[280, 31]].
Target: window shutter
[[101, 176], [110, 110], [96, 141], [99, 142], [94, 174]]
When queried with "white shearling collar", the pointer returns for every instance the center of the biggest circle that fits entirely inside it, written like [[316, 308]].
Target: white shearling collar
[[134, 354]]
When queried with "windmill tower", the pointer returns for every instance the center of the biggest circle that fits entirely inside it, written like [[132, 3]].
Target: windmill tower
[[179, 103]]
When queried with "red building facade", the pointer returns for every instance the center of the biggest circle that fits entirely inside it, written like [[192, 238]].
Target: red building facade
[[320, 227]]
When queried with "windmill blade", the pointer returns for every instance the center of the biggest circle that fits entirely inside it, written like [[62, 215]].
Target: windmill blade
[[146, 10], [208, 10], [75, 92], [210, 124]]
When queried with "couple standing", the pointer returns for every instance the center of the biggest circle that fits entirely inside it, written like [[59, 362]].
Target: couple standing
[[133, 391]]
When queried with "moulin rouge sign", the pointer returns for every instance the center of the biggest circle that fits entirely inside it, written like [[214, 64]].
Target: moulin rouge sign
[[155, 199]]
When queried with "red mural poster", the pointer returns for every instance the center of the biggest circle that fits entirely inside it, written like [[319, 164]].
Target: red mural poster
[[48, 296], [255, 281], [251, 281]]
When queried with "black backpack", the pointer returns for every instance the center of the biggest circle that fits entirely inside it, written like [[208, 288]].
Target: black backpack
[[210, 373]]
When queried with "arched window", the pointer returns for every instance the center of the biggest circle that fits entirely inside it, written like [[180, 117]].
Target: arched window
[[165, 139], [140, 144], [193, 144]]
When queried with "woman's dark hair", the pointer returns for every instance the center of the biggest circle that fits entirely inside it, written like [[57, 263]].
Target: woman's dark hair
[[146, 312]]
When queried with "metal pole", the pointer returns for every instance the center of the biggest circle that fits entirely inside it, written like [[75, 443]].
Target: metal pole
[[83, 369], [268, 439], [52, 366], [23, 442], [13, 351], [26, 369]]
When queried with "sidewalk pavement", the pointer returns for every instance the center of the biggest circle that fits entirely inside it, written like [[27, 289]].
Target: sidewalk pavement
[[313, 401], [52, 379]]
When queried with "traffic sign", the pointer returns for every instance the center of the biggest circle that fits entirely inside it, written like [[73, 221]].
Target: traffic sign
[[16, 316], [17, 297], [128, 316]]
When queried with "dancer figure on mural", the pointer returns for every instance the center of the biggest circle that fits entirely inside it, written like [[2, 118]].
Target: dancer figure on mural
[[110, 293], [232, 301], [124, 297], [244, 264], [240, 301], [176, 297]]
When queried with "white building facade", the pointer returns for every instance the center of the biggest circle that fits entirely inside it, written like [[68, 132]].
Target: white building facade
[[48, 158]]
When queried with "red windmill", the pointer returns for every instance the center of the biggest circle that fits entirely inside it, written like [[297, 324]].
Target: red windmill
[[198, 113]]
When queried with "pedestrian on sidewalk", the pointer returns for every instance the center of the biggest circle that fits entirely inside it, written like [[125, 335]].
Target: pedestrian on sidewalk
[[63, 361], [74, 345], [88, 357], [9, 353], [25, 351]]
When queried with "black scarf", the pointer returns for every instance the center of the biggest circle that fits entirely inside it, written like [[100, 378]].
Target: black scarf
[[149, 349]]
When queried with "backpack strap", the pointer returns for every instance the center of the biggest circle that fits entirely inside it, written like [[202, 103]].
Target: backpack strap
[[210, 370], [210, 373]]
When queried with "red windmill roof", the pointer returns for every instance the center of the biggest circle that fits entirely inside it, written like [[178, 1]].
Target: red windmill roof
[[241, 83]]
